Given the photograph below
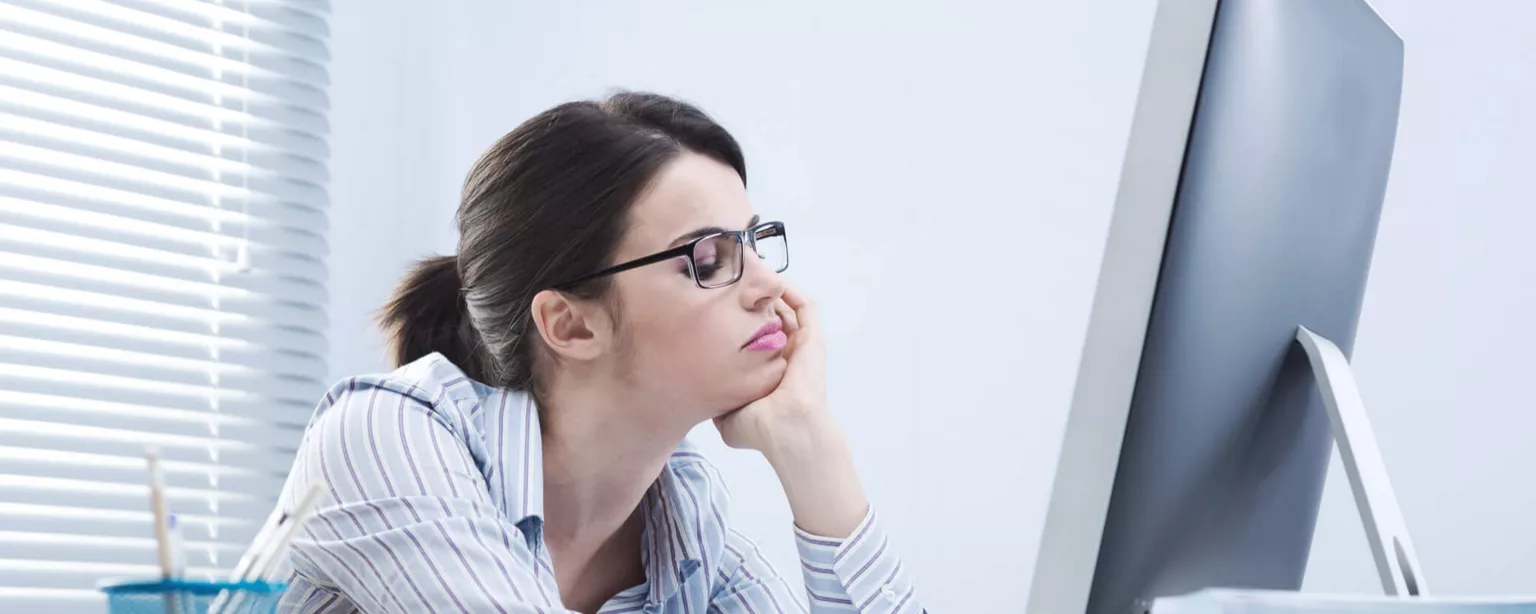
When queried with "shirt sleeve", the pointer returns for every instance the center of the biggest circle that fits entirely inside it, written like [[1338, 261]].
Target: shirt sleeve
[[858, 574], [406, 523]]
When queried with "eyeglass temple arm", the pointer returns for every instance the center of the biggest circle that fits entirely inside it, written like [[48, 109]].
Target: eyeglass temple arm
[[681, 251]]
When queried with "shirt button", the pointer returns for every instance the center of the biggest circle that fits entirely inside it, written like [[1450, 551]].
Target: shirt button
[[889, 593]]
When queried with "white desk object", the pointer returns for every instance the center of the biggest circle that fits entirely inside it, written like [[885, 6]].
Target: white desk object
[[1397, 564], [1224, 601]]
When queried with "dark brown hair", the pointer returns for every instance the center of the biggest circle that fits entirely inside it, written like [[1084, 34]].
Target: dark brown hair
[[547, 203]]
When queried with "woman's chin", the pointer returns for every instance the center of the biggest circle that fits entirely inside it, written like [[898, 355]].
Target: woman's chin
[[755, 384], [770, 374]]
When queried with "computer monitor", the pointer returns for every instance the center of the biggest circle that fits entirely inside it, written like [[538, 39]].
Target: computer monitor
[[1198, 440]]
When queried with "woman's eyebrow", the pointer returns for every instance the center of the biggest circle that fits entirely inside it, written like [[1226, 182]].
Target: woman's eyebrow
[[708, 230]]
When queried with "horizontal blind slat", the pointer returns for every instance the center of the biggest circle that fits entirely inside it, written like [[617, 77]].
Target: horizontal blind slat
[[66, 547], [80, 575], [292, 203], [285, 402], [231, 302], [46, 254], [110, 524], [190, 224], [256, 459], [252, 333], [275, 433], [29, 490], [271, 428], [130, 470], [233, 263], [53, 601], [109, 234], [51, 182], [203, 350]]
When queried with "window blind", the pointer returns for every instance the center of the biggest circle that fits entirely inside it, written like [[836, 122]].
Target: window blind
[[162, 278]]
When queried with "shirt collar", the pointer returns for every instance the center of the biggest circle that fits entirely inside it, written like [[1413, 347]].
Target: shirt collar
[[671, 551], [528, 461], [515, 453]]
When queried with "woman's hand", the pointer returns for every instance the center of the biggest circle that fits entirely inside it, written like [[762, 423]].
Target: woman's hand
[[793, 429], [796, 410]]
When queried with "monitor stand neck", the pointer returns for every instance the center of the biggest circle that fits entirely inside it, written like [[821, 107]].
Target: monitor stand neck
[[1396, 561]]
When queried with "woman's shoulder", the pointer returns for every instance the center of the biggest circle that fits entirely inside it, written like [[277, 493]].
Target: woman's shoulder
[[431, 383], [690, 469]]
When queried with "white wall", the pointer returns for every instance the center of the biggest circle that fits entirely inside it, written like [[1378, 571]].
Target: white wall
[[1447, 342], [385, 212], [947, 175]]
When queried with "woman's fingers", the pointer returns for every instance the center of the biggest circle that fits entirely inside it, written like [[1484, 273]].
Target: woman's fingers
[[787, 316], [805, 311]]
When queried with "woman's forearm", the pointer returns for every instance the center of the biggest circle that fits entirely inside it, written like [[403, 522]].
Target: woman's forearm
[[815, 467]]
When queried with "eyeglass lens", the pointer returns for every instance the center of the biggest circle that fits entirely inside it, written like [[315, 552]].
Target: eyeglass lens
[[717, 260]]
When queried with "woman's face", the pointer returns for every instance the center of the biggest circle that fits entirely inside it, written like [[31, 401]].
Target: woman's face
[[681, 343]]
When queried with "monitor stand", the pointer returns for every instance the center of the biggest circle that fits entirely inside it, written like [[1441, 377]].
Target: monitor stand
[[1396, 561]]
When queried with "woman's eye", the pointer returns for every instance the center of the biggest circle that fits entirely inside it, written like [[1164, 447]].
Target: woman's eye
[[707, 271], [707, 259]]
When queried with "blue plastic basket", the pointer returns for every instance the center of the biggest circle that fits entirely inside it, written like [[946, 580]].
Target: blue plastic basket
[[190, 597]]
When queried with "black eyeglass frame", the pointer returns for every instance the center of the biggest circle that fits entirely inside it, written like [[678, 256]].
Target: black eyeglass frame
[[744, 238]]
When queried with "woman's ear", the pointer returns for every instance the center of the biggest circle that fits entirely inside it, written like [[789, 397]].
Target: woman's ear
[[573, 329]]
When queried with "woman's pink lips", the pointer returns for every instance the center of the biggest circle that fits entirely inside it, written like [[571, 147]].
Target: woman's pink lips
[[770, 337]]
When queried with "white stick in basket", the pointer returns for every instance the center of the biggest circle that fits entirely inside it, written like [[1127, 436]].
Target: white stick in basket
[[270, 544], [162, 521], [272, 554], [161, 514], [244, 565]]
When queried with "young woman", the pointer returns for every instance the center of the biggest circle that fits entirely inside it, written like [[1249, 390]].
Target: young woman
[[612, 290]]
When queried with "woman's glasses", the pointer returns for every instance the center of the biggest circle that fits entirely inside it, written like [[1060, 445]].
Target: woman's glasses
[[715, 260]]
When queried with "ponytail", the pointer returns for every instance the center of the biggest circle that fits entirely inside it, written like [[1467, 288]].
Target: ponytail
[[427, 313]]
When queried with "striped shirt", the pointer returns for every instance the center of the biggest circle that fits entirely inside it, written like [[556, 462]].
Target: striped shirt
[[434, 503]]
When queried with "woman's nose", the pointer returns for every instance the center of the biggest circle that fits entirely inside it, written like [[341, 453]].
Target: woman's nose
[[761, 283]]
